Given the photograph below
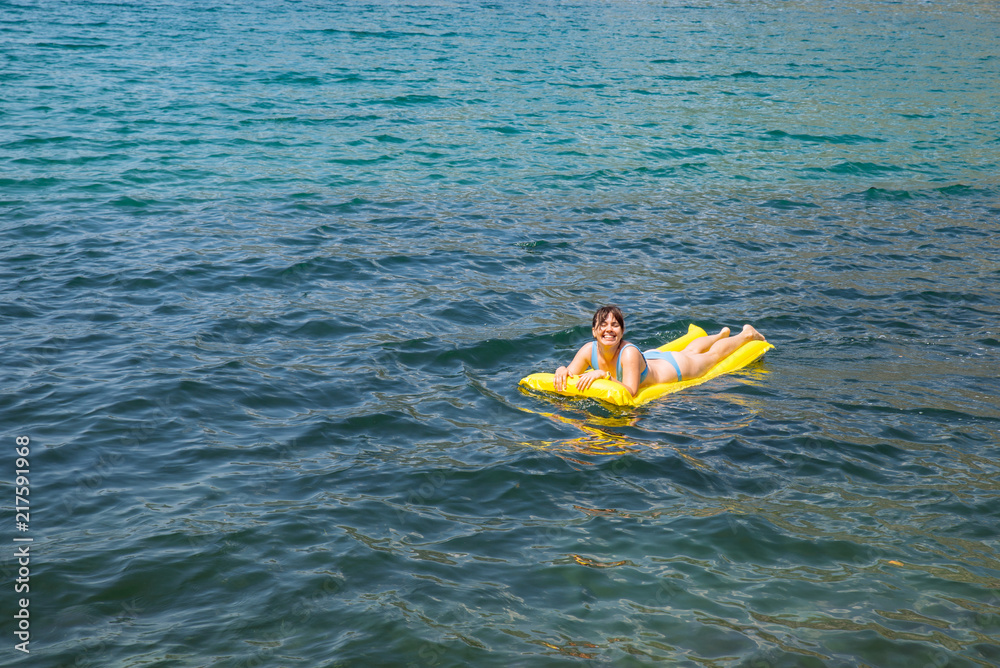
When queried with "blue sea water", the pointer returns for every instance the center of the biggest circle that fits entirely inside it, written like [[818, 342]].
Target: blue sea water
[[271, 271]]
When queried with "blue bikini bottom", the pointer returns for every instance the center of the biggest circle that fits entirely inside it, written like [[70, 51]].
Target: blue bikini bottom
[[664, 355]]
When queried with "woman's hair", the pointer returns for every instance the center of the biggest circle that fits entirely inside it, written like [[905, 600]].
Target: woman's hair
[[605, 311]]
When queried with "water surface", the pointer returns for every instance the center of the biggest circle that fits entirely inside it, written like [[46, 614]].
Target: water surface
[[271, 272]]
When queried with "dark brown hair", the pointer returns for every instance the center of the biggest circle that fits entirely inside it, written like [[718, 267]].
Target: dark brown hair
[[605, 311]]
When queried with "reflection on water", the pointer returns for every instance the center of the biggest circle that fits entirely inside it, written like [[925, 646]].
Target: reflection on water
[[598, 436], [604, 425]]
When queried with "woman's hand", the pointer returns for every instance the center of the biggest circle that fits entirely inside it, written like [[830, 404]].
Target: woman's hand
[[582, 382], [587, 379], [561, 374]]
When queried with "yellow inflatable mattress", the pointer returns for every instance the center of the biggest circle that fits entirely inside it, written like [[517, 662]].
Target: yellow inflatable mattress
[[616, 394]]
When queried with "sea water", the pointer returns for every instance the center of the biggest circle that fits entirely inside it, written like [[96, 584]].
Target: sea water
[[271, 271]]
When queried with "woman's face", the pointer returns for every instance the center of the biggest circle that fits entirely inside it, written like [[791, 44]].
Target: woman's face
[[609, 332]]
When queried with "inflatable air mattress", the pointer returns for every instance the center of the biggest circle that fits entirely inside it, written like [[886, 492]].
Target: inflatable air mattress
[[614, 393]]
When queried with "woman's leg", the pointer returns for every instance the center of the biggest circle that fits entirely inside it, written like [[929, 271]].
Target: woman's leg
[[700, 363], [703, 343]]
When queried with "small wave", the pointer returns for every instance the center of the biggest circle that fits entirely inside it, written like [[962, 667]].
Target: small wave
[[29, 184], [881, 194], [823, 139], [410, 100], [682, 152], [788, 204], [503, 129], [293, 78], [381, 34], [680, 77], [361, 161], [350, 78], [858, 168], [891, 195], [70, 46], [31, 142], [72, 162], [588, 86]]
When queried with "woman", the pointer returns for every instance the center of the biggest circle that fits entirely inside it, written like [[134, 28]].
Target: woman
[[611, 357]]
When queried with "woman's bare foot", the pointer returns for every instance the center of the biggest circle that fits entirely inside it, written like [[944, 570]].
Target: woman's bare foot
[[752, 334]]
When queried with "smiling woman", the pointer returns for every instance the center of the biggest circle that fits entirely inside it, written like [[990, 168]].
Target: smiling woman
[[615, 393], [610, 357]]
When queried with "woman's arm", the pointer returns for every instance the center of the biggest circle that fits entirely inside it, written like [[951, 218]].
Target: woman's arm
[[579, 364], [631, 360]]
